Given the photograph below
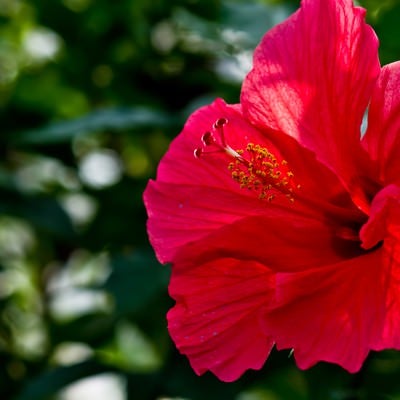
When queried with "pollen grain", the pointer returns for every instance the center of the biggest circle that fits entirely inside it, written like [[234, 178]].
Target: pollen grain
[[258, 169]]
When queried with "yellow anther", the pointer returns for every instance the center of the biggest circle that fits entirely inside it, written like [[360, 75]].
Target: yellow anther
[[259, 170]]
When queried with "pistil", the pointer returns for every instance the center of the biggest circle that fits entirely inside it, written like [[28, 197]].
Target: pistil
[[254, 168]]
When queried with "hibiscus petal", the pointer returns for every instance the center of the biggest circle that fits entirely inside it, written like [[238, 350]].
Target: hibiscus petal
[[264, 238], [180, 214], [333, 314], [382, 139], [383, 227], [389, 337], [351, 307], [213, 222], [210, 170], [194, 197], [384, 220], [216, 319], [312, 79], [179, 166]]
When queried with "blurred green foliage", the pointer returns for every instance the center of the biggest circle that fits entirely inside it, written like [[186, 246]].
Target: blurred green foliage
[[91, 93]]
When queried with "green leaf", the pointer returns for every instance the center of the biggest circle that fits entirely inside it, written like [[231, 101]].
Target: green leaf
[[45, 213], [388, 31], [135, 280], [241, 24], [97, 121], [253, 19], [50, 382], [7, 180], [132, 350]]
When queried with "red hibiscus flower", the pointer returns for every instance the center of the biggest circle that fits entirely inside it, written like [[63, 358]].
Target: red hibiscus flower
[[281, 220]]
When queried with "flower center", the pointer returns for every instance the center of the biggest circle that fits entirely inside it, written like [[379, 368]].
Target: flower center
[[255, 168], [262, 172]]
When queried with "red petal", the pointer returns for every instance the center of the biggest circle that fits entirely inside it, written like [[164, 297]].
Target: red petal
[[213, 221], [283, 241], [179, 166], [181, 214], [348, 308], [312, 79], [192, 198], [389, 337], [216, 321], [384, 226], [382, 139], [211, 170], [384, 220], [333, 314]]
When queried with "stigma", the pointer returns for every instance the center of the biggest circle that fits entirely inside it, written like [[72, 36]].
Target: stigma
[[217, 146], [254, 168]]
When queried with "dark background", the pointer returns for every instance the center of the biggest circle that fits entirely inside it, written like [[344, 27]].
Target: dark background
[[91, 93]]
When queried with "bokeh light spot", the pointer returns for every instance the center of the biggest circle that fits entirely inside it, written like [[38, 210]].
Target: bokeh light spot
[[100, 168]]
